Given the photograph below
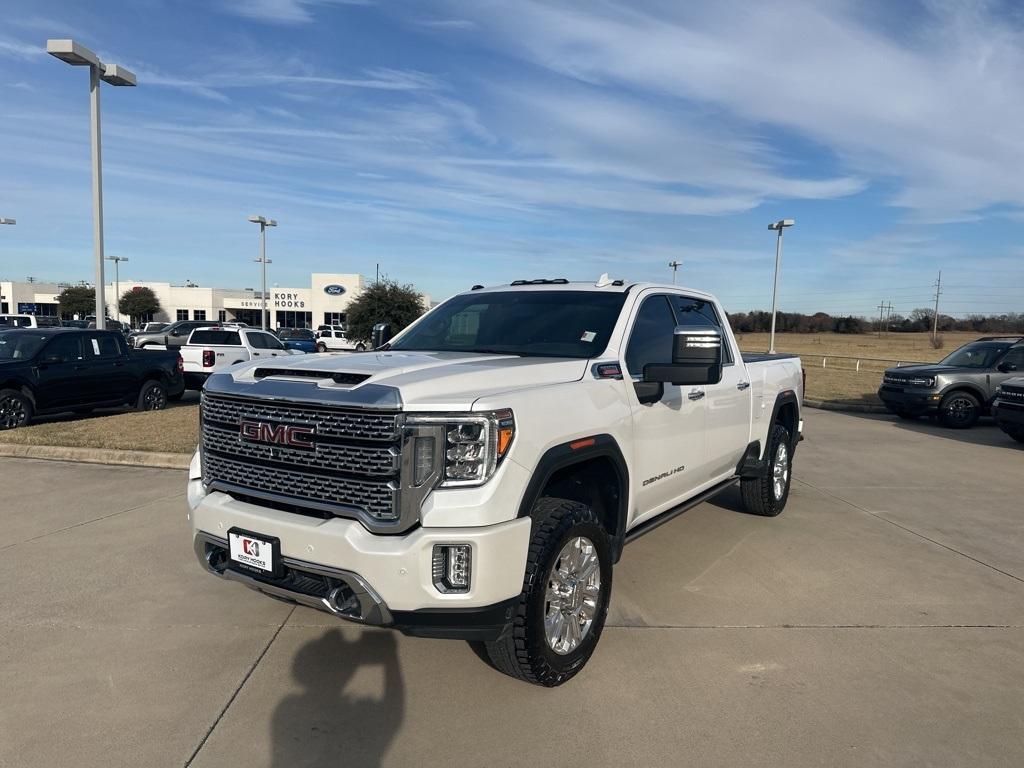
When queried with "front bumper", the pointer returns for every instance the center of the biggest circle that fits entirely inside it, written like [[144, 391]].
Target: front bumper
[[389, 576], [1007, 413], [909, 399]]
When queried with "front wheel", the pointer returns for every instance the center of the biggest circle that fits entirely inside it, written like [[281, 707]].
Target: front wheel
[[152, 397], [15, 409], [564, 602], [959, 410], [321, 347], [767, 495], [360, 347]]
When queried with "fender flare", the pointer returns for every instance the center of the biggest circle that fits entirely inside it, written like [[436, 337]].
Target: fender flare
[[565, 455]]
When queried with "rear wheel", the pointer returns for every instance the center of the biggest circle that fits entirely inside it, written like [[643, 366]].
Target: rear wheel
[[564, 602], [15, 409], [959, 410], [767, 495], [152, 397]]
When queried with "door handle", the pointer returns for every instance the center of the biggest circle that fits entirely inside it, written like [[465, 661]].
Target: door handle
[[743, 385], [696, 394]]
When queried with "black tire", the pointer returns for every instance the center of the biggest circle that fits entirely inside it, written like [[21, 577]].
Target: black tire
[[524, 651], [321, 347], [760, 495], [152, 397], [959, 410], [15, 409], [360, 347]]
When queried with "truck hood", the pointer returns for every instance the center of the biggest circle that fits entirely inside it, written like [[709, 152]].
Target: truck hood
[[933, 369], [424, 380]]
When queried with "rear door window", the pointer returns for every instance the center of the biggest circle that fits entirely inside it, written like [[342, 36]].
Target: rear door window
[[219, 338], [103, 347]]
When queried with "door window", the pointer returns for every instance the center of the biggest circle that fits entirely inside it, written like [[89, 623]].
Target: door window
[[64, 349], [104, 347], [1015, 357], [651, 338]]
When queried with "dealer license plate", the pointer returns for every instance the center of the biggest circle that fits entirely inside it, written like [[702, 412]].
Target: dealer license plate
[[254, 551]]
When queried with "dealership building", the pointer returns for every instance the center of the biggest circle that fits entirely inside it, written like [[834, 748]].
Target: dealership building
[[323, 302]]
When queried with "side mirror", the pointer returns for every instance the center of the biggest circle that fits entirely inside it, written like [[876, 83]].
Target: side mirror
[[1006, 367], [381, 335], [696, 358], [175, 333]]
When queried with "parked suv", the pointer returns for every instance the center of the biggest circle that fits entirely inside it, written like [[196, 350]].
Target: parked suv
[[478, 476], [173, 336], [1008, 408], [960, 388]]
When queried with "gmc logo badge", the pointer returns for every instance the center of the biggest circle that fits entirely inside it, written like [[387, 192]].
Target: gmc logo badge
[[290, 435]]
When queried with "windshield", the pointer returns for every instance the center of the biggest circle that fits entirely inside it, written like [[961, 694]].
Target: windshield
[[15, 345], [976, 355], [296, 334], [529, 323]]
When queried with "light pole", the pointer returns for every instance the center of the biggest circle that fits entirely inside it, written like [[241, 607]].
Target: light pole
[[264, 223], [675, 265], [79, 56], [8, 221], [117, 283], [779, 225]]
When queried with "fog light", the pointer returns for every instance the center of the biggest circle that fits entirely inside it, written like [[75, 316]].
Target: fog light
[[452, 565]]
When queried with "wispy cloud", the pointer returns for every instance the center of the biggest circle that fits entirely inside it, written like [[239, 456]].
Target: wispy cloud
[[282, 11], [16, 49]]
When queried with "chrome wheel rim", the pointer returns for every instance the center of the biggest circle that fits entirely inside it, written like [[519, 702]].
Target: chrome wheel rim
[[155, 399], [780, 471], [573, 593], [12, 413], [960, 409]]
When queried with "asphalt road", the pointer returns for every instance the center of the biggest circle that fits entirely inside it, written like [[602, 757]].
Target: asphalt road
[[878, 621]]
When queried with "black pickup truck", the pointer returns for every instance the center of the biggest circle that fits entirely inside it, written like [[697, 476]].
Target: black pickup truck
[[50, 370]]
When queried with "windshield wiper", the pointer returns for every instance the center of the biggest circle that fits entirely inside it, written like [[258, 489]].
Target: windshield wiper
[[492, 352]]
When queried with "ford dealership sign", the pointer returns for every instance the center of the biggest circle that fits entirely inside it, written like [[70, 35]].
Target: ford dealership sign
[[334, 290]]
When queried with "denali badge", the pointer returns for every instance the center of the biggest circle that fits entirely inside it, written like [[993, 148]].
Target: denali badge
[[279, 434]]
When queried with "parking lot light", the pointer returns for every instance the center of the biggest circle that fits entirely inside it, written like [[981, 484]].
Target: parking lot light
[[264, 222], [117, 283], [77, 55], [778, 226]]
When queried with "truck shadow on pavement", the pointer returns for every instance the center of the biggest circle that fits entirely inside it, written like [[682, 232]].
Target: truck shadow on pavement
[[326, 725], [985, 432]]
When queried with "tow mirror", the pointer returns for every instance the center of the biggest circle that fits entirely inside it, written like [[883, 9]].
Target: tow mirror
[[381, 335], [696, 358]]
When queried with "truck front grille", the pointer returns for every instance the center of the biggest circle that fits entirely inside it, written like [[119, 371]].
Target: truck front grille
[[327, 460], [1012, 396]]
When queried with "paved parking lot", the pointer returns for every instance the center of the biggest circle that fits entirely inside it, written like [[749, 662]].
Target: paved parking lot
[[879, 621]]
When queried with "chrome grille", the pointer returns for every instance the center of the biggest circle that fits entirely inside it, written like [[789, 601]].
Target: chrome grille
[[351, 470], [334, 422]]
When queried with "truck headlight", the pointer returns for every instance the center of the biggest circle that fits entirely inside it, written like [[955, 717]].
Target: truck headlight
[[922, 381], [474, 444]]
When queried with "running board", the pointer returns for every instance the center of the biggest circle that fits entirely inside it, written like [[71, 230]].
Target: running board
[[649, 525]]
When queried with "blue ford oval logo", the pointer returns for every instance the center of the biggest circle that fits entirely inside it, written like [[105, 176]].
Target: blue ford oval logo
[[334, 290]]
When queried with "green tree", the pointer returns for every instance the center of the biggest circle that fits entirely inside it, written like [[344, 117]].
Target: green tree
[[139, 302], [77, 300], [383, 302]]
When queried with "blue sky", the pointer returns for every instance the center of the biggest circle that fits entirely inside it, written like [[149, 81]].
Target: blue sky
[[478, 142]]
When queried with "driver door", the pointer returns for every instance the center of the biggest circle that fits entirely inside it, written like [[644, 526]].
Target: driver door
[[63, 373], [668, 435]]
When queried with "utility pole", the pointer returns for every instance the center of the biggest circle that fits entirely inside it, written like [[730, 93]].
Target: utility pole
[[935, 316], [675, 266], [881, 309]]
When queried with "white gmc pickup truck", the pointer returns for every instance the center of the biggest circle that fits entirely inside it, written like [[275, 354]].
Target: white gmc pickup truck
[[478, 476]]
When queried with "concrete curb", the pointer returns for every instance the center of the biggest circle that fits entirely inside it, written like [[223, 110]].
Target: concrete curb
[[827, 405], [97, 456]]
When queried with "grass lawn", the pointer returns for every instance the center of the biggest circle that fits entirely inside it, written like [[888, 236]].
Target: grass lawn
[[176, 430]]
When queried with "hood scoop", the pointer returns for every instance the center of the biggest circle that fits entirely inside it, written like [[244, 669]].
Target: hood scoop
[[300, 373]]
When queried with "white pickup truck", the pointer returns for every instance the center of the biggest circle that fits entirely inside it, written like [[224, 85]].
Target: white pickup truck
[[211, 349], [478, 476]]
